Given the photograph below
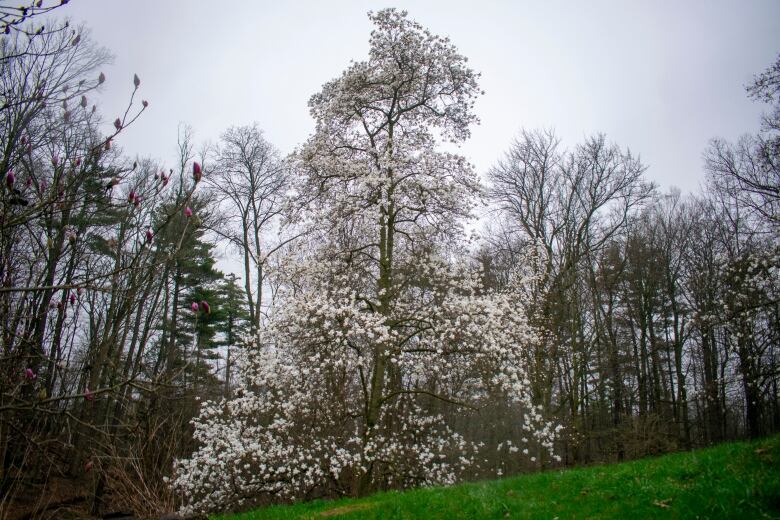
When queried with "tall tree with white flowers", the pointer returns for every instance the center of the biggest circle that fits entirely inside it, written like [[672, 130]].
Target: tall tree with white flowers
[[382, 339]]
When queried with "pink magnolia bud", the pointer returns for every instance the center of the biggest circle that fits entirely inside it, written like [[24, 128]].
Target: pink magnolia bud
[[149, 236], [24, 139], [101, 78], [72, 299], [137, 201], [164, 180], [29, 374], [9, 178], [83, 101], [88, 466], [136, 80], [205, 306], [80, 291], [197, 173], [55, 161], [145, 103], [88, 395], [118, 124], [77, 162], [131, 197], [194, 307], [187, 212]]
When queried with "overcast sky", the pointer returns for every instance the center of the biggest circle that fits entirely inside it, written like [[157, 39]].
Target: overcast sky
[[658, 77]]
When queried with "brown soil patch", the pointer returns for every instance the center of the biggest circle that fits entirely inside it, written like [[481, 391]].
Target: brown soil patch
[[346, 509]]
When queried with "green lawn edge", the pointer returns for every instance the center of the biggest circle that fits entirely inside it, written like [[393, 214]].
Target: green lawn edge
[[734, 480]]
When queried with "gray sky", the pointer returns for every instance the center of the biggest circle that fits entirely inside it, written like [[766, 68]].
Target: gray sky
[[659, 77]]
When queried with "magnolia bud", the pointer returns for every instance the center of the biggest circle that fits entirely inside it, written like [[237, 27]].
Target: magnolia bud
[[196, 172], [101, 78], [205, 306], [149, 236], [83, 101], [29, 374], [136, 80], [9, 178], [145, 103], [194, 307], [187, 212], [131, 197], [118, 124]]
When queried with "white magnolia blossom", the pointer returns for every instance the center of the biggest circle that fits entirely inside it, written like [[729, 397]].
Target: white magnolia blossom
[[297, 427], [378, 337]]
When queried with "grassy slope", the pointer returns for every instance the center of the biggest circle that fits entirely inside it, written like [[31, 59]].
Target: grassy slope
[[739, 480]]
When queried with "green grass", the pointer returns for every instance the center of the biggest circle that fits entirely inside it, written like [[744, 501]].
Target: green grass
[[738, 480]]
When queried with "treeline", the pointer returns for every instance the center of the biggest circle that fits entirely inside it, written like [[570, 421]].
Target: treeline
[[664, 307], [656, 314]]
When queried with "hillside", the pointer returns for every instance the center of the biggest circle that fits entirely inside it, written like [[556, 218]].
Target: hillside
[[737, 480]]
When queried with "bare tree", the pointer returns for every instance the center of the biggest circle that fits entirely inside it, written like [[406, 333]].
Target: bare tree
[[572, 204], [750, 169], [250, 182]]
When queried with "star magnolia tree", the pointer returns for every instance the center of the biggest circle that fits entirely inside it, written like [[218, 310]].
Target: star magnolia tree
[[382, 333]]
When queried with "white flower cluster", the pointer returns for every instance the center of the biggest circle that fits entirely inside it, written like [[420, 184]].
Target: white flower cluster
[[298, 426]]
